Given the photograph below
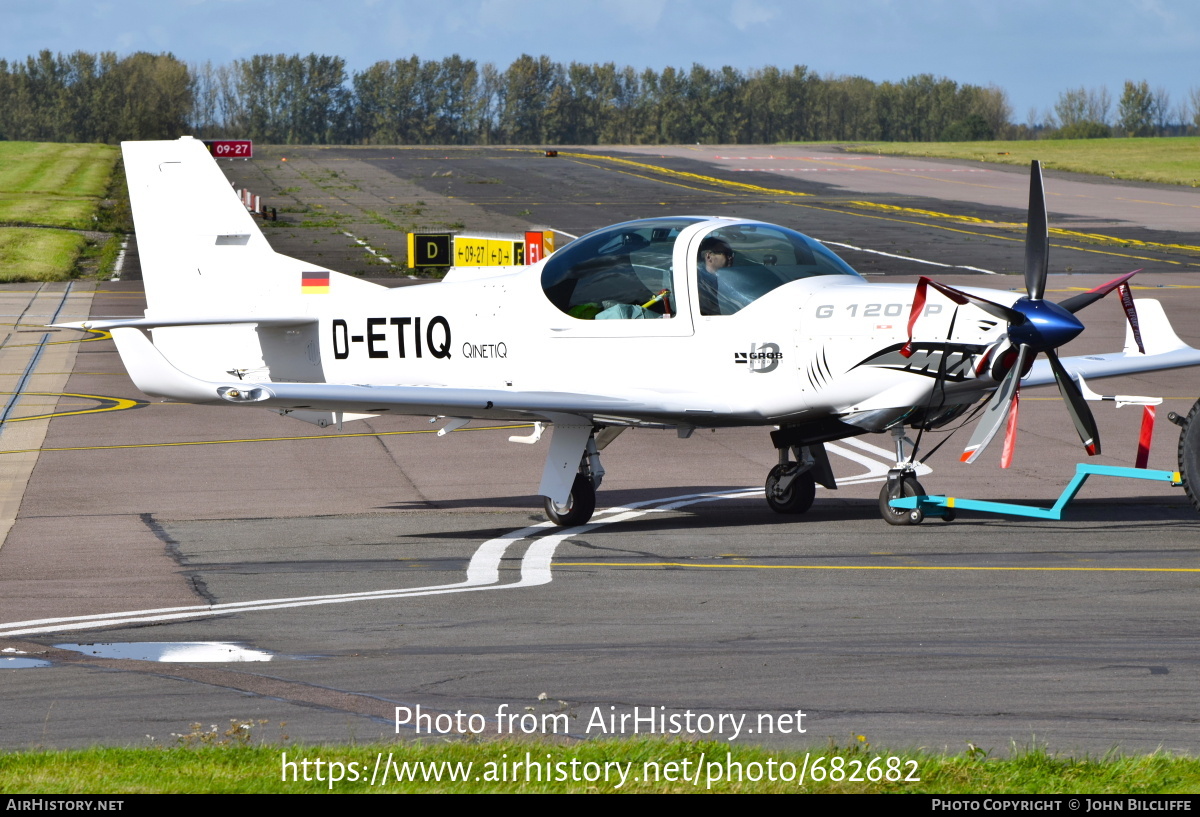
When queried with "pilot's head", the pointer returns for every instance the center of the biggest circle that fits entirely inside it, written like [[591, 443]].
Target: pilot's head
[[715, 254]]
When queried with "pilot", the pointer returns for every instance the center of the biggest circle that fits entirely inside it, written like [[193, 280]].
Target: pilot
[[715, 255]]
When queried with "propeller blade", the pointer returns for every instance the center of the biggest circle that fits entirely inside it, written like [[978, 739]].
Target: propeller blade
[[997, 408], [1010, 432], [1037, 237], [1078, 302], [1081, 413], [994, 309]]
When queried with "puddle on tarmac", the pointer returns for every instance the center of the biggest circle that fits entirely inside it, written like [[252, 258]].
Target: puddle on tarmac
[[22, 663], [177, 652]]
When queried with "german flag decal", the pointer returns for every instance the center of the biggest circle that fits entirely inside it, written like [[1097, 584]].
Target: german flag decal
[[314, 283]]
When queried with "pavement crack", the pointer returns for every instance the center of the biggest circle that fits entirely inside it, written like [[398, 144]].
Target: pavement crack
[[194, 582]]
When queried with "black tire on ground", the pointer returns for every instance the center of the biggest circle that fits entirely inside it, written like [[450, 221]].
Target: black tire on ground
[[798, 498], [904, 486], [578, 508], [1189, 455]]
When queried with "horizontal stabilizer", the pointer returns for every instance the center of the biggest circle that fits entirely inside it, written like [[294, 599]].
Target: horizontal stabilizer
[[153, 374], [155, 323]]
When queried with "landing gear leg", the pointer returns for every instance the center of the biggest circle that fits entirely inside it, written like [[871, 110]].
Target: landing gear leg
[[790, 485], [581, 504], [901, 482]]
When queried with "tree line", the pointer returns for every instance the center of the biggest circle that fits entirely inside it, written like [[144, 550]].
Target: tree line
[[294, 99]]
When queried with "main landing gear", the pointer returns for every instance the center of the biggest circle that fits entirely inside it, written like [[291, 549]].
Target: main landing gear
[[581, 503], [578, 508], [791, 486]]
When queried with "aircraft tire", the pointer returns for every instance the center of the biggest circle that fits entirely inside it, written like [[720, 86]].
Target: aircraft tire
[[905, 486], [1189, 455], [579, 507], [799, 496]]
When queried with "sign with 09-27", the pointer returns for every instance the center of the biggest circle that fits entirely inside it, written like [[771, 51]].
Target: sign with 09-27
[[230, 148]]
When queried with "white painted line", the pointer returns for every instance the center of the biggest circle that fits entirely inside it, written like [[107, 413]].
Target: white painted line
[[888, 456], [483, 571], [119, 264], [907, 257]]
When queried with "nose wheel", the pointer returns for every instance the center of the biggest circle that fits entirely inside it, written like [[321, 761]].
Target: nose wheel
[[900, 484]]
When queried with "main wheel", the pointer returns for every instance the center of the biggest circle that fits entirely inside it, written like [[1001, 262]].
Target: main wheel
[[1189, 455], [904, 486], [798, 497], [578, 508]]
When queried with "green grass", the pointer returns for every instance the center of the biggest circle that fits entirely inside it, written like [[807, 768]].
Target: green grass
[[55, 168], [32, 254], [1174, 160], [47, 210], [58, 186], [203, 767]]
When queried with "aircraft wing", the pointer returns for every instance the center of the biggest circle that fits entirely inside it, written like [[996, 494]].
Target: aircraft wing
[[1164, 350], [154, 375]]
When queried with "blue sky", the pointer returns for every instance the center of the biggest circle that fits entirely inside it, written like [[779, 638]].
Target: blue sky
[[1034, 50]]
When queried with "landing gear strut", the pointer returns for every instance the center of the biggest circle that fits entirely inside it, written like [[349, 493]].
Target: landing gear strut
[[581, 503], [902, 482]]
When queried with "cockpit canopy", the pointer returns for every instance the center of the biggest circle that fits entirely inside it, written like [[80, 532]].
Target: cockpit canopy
[[627, 271]]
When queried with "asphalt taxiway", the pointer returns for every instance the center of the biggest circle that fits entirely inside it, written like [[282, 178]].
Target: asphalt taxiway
[[383, 566]]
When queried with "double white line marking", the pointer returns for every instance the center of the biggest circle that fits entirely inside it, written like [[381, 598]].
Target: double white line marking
[[483, 571]]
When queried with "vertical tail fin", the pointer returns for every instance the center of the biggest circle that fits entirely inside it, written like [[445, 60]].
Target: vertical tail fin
[[201, 251]]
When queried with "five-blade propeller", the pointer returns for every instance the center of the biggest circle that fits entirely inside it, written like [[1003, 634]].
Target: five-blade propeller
[[1035, 326]]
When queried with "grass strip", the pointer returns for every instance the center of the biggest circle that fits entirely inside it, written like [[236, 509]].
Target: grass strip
[[649, 765], [1169, 160], [32, 254], [48, 210], [56, 168]]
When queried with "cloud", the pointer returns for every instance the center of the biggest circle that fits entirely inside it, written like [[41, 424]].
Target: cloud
[[747, 14]]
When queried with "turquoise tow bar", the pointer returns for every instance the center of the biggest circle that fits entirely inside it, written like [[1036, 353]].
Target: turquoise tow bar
[[941, 506]]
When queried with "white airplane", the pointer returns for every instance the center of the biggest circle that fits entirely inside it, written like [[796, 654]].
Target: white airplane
[[684, 323]]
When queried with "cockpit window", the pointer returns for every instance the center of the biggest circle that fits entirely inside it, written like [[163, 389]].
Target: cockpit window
[[739, 264], [620, 272]]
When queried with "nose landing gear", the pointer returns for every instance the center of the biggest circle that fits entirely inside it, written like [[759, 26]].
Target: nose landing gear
[[902, 482]]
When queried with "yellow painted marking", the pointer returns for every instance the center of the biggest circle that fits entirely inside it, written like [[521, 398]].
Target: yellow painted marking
[[996, 236], [647, 178], [118, 404], [260, 439], [905, 173], [1176, 479], [890, 567], [1160, 203], [96, 334], [50, 374], [1099, 237], [680, 174], [949, 502]]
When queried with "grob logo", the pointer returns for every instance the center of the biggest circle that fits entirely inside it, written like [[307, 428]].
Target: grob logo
[[761, 358]]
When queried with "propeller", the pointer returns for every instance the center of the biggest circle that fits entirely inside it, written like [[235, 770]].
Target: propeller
[[1035, 326]]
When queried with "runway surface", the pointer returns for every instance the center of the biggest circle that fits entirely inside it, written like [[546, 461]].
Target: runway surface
[[384, 566]]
